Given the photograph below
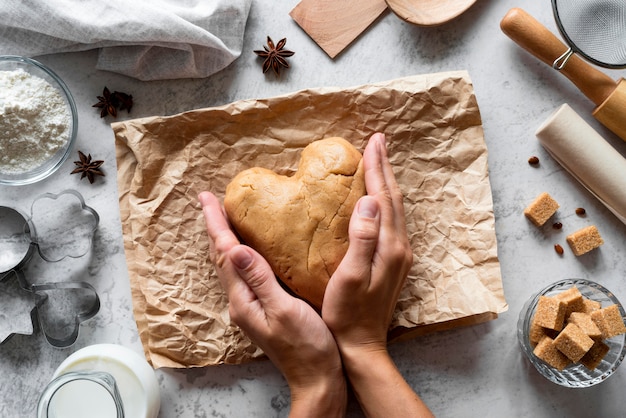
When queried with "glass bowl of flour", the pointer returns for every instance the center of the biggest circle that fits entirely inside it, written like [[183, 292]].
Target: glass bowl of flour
[[38, 121]]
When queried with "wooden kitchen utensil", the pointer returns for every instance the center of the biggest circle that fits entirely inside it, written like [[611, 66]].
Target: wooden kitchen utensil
[[429, 12], [608, 95], [333, 24]]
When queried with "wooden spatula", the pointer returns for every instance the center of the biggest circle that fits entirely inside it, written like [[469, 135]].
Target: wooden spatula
[[334, 24]]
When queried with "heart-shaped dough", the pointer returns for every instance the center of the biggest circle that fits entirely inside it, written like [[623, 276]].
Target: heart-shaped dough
[[300, 223]]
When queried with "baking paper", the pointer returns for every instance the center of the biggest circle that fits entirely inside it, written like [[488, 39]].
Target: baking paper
[[436, 146]]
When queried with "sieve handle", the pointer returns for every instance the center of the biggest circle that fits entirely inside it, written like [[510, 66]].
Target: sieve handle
[[535, 38]]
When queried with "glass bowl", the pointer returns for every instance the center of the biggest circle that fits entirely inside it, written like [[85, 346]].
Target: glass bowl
[[575, 375], [21, 170]]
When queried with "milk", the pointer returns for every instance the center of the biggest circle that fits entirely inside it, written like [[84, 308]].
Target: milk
[[134, 377], [82, 398]]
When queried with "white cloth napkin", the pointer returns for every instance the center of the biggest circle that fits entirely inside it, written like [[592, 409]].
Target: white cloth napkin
[[144, 39]]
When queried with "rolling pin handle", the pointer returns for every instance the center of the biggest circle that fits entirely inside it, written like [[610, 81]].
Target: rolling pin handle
[[535, 38]]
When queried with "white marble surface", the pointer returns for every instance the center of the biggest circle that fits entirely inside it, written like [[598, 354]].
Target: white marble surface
[[466, 372]]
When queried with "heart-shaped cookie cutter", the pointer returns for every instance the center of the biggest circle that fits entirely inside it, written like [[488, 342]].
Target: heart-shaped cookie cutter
[[25, 308]]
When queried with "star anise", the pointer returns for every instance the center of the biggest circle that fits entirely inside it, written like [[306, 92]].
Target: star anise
[[87, 168], [109, 102], [125, 100], [275, 55]]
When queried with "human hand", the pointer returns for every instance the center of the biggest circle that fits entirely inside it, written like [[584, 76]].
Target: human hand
[[362, 293], [288, 330]]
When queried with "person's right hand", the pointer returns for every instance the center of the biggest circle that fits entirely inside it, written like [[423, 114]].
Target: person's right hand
[[362, 293]]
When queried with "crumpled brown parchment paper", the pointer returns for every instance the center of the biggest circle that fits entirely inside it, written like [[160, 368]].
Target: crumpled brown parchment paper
[[436, 145]]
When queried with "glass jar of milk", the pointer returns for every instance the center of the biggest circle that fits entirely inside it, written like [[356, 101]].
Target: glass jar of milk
[[101, 381]]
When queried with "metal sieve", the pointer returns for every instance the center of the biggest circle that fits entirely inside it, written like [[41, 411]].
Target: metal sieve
[[593, 29]]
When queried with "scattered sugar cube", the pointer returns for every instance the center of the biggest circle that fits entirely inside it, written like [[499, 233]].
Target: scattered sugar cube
[[541, 209], [573, 342], [585, 323], [550, 313], [547, 351], [609, 320], [584, 240], [594, 356]]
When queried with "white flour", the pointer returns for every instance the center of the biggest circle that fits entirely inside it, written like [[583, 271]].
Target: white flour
[[34, 121]]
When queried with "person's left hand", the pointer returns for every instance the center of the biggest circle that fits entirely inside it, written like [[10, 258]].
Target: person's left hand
[[287, 329]]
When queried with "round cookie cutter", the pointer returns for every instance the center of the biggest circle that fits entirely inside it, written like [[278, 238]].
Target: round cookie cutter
[[57, 309]]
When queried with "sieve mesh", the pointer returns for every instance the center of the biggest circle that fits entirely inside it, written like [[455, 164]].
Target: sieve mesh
[[594, 29]]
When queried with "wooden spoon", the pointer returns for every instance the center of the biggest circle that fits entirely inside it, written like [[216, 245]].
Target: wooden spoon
[[336, 24], [429, 12]]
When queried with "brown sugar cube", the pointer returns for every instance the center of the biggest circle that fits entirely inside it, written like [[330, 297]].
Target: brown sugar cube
[[541, 209], [550, 313], [535, 333], [573, 298], [594, 356], [590, 305], [584, 240], [547, 351], [609, 320], [573, 342], [586, 324]]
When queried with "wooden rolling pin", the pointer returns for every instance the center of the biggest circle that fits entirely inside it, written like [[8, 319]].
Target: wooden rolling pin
[[587, 157], [608, 95]]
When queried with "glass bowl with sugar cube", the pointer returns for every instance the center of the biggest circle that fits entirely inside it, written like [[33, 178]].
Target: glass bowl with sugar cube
[[573, 332]]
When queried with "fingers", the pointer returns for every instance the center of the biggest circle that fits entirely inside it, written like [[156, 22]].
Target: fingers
[[246, 276], [254, 292], [372, 161], [381, 181], [216, 223], [394, 190], [256, 273], [381, 144], [221, 236], [363, 232]]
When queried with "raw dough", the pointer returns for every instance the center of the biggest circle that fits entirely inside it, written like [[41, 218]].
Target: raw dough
[[300, 223]]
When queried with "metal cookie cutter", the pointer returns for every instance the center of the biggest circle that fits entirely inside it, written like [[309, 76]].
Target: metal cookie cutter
[[57, 309]]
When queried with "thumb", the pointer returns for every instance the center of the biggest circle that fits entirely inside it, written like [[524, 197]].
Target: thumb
[[255, 272], [363, 233]]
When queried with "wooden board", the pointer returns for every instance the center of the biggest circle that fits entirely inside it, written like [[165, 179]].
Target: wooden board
[[333, 24]]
